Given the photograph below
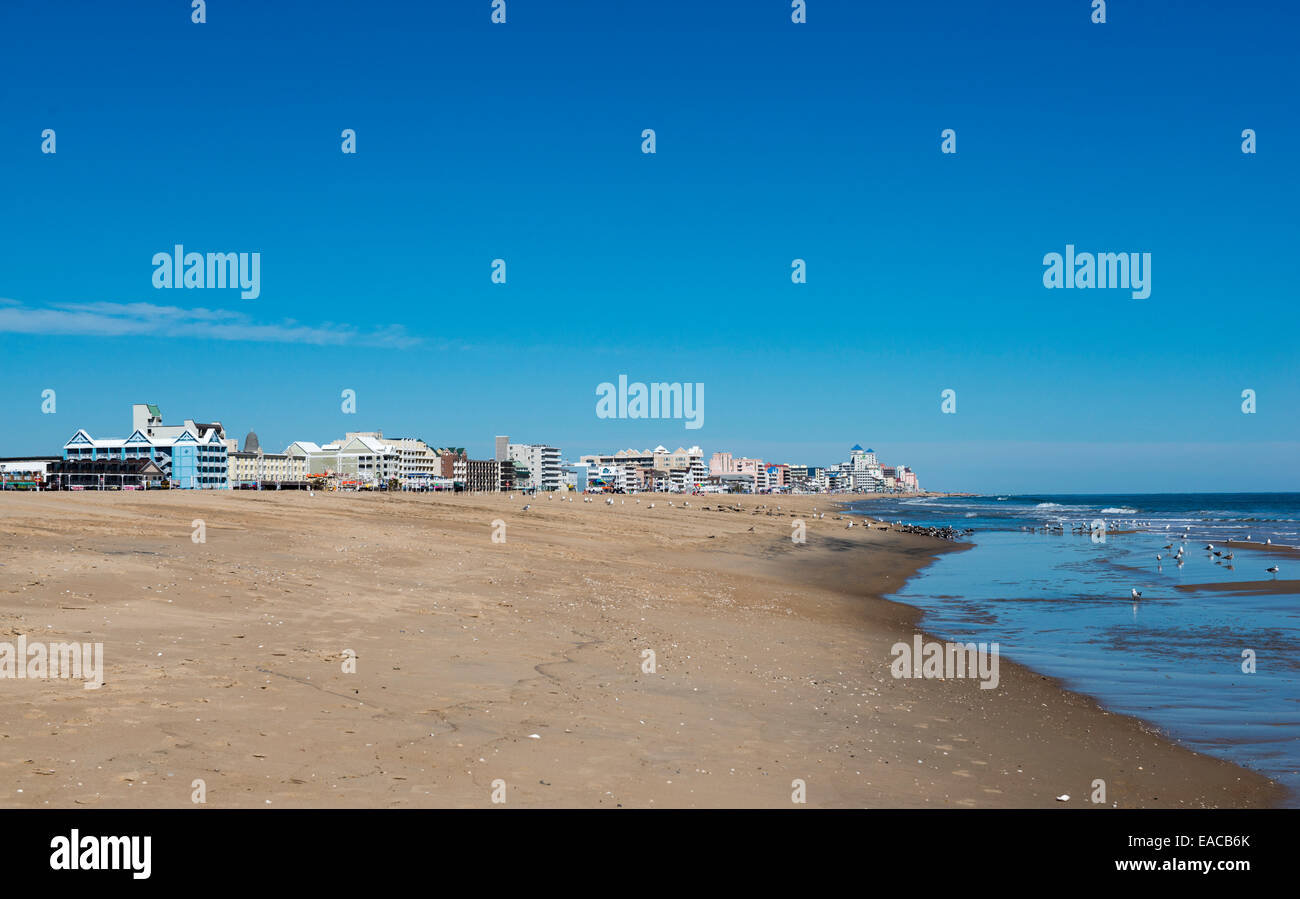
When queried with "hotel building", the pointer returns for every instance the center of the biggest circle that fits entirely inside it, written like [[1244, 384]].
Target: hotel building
[[542, 462], [192, 456], [253, 468]]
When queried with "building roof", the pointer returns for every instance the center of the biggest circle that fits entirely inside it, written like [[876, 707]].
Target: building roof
[[856, 448], [251, 443]]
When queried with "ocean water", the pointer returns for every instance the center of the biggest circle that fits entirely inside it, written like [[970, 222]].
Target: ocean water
[[1060, 602]]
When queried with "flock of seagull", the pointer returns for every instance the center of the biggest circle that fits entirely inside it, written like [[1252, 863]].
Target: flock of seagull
[[1180, 545], [1220, 556]]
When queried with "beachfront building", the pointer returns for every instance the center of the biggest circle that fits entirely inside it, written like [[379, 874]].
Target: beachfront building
[[108, 473], [802, 478], [729, 483], [906, 479], [859, 457], [25, 472], [451, 462], [480, 475], [720, 463], [660, 469], [865, 472], [541, 461], [573, 476], [254, 469], [416, 461], [358, 460], [727, 464], [778, 477], [303, 450], [192, 456]]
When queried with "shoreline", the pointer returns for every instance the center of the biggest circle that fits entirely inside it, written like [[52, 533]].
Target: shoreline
[[772, 663]]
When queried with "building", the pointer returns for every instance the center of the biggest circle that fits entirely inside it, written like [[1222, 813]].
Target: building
[[541, 461], [720, 463], [480, 475], [449, 458], [778, 477], [108, 473], [661, 469], [727, 464], [192, 456], [359, 460], [573, 476], [25, 473], [252, 468], [416, 460]]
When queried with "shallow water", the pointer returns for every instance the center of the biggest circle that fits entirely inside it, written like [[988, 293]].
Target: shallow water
[[1060, 603]]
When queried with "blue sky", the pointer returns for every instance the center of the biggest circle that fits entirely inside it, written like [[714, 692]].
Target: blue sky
[[776, 141]]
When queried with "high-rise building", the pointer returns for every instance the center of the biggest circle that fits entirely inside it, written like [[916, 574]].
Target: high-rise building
[[541, 461]]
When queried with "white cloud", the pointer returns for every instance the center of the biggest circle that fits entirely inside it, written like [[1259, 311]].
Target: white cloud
[[101, 319]]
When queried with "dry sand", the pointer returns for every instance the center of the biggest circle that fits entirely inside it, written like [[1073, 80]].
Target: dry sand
[[224, 663]]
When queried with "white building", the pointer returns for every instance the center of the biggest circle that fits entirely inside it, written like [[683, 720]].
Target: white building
[[416, 460], [542, 462]]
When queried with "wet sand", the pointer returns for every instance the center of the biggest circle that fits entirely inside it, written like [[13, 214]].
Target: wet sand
[[520, 662]]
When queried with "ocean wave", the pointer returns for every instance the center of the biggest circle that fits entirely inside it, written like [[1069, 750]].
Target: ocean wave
[[1119, 510]]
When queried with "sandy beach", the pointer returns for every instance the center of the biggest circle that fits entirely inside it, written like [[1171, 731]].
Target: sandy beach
[[479, 662]]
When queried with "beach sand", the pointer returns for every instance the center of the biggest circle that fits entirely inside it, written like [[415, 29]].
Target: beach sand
[[521, 662]]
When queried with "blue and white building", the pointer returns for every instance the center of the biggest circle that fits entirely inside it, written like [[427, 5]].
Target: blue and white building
[[192, 456]]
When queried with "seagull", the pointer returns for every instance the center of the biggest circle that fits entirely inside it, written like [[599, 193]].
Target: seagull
[[1209, 546], [1137, 594], [1157, 557], [1272, 570], [526, 506], [1169, 546], [1228, 557]]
